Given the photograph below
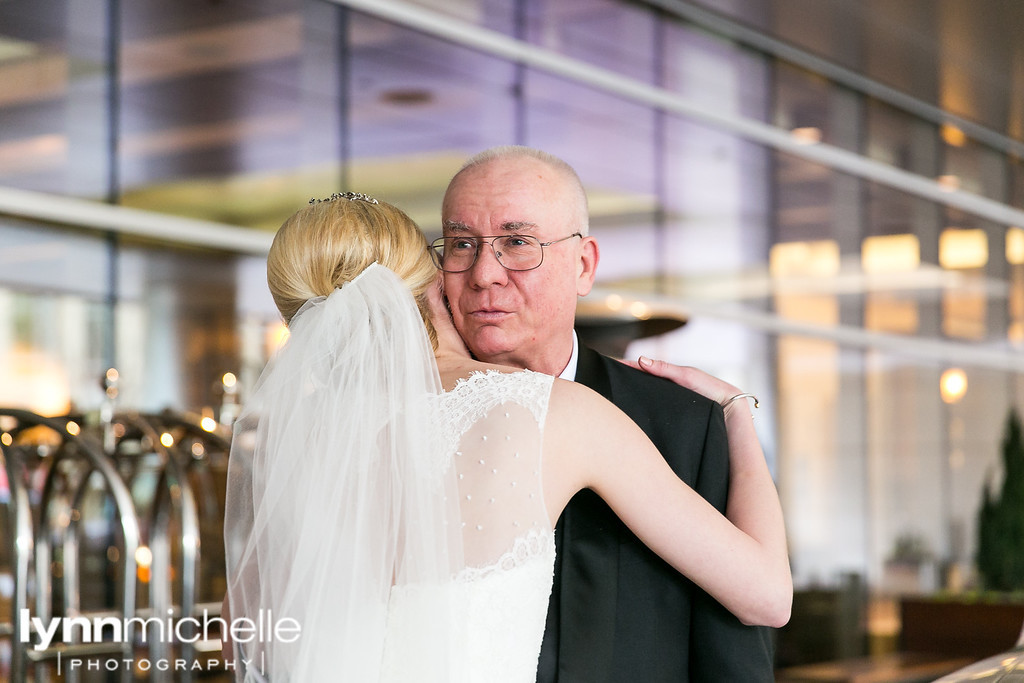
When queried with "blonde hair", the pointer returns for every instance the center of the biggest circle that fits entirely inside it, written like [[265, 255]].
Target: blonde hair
[[323, 246]]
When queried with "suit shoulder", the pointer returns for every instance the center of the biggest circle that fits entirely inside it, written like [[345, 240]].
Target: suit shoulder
[[688, 428], [653, 389]]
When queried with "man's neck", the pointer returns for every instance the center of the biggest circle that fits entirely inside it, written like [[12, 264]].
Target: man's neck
[[548, 363]]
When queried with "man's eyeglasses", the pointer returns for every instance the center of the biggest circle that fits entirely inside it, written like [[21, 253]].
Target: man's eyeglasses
[[514, 252]]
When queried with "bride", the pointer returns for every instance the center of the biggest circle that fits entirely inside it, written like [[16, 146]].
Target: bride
[[393, 499]]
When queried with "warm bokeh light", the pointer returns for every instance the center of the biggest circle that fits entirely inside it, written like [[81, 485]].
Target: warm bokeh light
[[964, 312], [791, 259], [613, 302], [807, 135], [277, 334], [890, 253], [229, 379], [31, 380], [953, 136], [143, 556], [1015, 246], [953, 385], [167, 440], [208, 424], [73, 428], [888, 312], [6, 439], [948, 183], [640, 310], [963, 248]]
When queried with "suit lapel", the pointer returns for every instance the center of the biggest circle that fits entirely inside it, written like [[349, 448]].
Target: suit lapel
[[592, 373], [588, 577]]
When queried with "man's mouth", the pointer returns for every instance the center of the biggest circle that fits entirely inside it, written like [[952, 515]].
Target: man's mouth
[[488, 314]]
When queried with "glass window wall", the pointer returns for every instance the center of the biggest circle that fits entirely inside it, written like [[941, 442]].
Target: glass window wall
[[841, 300]]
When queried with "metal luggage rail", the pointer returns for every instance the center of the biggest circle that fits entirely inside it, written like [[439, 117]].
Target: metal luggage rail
[[67, 468], [163, 474]]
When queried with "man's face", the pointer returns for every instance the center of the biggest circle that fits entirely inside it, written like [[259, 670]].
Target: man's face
[[519, 318]]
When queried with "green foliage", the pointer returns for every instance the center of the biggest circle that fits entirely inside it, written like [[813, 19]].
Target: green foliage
[[910, 548], [1001, 520]]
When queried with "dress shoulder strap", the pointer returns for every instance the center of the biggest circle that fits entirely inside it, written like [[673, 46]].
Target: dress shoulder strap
[[473, 396]]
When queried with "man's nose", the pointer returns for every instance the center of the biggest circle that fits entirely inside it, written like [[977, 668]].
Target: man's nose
[[487, 270]]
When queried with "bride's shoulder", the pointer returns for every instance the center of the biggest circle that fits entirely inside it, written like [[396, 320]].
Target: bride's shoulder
[[498, 379], [471, 396], [465, 376], [577, 406]]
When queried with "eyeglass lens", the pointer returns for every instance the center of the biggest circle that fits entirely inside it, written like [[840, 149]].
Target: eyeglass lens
[[515, 252]]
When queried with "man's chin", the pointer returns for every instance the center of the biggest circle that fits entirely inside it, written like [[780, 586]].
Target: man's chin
[[491, 346]]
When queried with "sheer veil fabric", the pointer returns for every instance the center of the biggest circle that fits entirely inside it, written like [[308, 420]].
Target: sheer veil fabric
[[340, 488]]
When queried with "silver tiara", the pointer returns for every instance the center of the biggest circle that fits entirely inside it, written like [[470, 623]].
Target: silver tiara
[[351, 196]]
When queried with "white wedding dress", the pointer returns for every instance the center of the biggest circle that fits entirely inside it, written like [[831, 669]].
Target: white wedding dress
[[494, 423], [399, 529]]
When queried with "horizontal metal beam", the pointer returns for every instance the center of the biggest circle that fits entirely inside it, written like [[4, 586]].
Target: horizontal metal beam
[[774, 47], [997, 356], [500, 45], [83, 213]]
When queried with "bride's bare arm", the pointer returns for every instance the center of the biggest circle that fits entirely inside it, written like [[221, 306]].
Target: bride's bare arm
[[741, 561]]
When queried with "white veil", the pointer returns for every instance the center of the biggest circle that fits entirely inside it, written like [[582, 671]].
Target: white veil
[[339, 489]]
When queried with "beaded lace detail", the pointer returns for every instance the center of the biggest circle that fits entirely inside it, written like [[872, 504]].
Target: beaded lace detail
[[496, 601], [536, 543], [473, 396]]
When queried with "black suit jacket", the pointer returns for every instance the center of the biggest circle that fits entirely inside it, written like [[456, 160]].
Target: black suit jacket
[[618, 612]]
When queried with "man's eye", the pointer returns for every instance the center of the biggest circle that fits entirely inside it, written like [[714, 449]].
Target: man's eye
[[462, 244], [516, 241]]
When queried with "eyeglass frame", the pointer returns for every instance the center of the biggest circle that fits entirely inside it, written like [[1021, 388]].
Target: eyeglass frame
[[480, 240]]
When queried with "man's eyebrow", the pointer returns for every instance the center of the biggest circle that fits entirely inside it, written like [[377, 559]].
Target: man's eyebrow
[[508, 226], [455, 226], [518, 226]]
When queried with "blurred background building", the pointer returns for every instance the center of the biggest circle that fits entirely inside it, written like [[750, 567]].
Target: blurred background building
[[830, 193]]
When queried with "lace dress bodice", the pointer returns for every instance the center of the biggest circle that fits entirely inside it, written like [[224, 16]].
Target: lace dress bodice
[[494, 427]]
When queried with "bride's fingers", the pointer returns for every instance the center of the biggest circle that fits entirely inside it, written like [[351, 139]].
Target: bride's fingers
[[690, 377], [447, 336], [435, 299]]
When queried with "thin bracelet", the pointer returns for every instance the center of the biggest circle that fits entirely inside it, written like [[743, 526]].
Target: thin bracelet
[[739, 396]]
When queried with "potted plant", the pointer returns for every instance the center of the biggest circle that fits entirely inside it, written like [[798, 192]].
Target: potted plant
[[981, 623], [1001, 519]]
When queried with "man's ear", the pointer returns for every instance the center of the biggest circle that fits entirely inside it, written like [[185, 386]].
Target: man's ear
[[590, 254]]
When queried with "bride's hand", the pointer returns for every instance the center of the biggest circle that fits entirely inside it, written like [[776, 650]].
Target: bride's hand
[[448, 339], [692, 378]]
